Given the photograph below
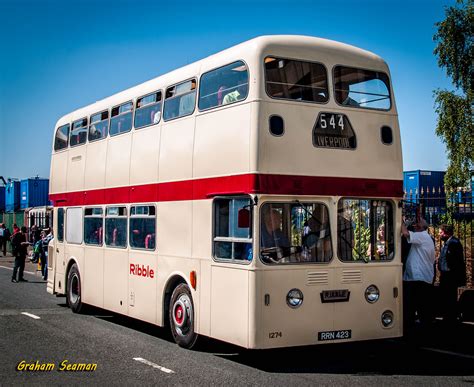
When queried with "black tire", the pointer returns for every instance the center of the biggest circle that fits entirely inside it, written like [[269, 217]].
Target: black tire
[[74, 290], [181, 317]]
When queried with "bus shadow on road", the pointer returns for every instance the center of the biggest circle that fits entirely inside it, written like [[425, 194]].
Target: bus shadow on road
[[364, 358], [427, 354], [421, 356], [129, 322]]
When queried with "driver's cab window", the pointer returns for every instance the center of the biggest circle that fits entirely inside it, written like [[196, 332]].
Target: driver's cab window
[[232, 238], [295, 233]]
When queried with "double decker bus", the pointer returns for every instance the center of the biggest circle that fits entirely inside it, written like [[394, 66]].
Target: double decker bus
[[252, 197]]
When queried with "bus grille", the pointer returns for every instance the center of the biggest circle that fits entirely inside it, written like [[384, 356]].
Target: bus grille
[[351, 276], [317, 278]]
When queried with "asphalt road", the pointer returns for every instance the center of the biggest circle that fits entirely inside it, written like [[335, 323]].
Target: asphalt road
[[130, 352]]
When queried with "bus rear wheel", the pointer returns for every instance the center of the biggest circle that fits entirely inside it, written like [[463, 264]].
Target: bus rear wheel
[[74, 290], [181, 317]]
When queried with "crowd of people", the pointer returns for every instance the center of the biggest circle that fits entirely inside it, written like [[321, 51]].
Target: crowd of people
[[419, 275], [19, 241]]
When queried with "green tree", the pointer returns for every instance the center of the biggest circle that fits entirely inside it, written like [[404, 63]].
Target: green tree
[[455, 127]]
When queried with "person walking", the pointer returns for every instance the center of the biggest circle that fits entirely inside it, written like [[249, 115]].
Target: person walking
[[19, 248], [5, 238], [418, 275], [452, 270]]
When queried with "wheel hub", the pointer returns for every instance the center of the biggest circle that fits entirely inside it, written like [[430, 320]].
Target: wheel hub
[[182, 314]]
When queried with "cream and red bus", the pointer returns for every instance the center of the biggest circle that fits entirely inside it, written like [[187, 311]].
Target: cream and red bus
[[252, 197]]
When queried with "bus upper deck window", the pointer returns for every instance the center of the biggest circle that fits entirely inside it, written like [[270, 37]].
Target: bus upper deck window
[[361, 88], [61, 140], [296, 80], [78, 134], [148, 110], [99, 126], [223, 86], [121, 119], [180, 100]]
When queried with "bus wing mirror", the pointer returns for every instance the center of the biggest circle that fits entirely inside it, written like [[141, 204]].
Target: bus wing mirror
[[244, 218]]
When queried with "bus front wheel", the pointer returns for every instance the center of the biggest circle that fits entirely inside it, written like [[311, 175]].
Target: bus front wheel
[[181, 316], [74, 289]]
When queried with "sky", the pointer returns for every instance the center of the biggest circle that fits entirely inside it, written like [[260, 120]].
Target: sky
[[58, 56]]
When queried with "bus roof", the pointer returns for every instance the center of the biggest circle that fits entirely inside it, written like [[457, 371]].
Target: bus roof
[[250, 48]]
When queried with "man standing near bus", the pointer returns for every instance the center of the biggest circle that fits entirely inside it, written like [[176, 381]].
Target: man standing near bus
[[19, 248], [452, 270], [5, 237], [419, 274]]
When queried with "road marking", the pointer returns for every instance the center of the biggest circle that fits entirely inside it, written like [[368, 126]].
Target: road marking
[[11, 268], [31, 315], [448, 352], [147, 362]]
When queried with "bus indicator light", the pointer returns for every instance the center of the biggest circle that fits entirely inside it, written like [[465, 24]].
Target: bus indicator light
[[193, 279], [141, 271]]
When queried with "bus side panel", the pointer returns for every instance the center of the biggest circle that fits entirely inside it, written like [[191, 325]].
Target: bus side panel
[[230, 300], [142, 284], [59, 163], [176, 152], [75, 169], [365, 322], [75, 253], [118, 161], [204, 283], [93, 276], [145, 154], [223, 135], [174, 231], [95, 165], [202, 249], [116, 280]]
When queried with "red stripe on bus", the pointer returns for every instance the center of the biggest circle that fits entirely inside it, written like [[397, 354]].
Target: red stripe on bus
[[230, 185]]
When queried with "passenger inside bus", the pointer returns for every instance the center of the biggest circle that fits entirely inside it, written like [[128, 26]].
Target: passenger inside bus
[[220, 94], [316, 240], [239, 93], [346, 236], [343, 95], [271, 234]]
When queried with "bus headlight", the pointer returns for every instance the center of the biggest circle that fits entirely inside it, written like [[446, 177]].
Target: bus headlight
[[294, 298], [387, 318], [372, 294]]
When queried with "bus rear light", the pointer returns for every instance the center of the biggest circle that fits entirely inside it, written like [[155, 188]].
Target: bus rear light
[[193, 279]]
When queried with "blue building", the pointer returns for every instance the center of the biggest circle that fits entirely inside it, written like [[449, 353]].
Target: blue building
[[2, 199], [12, 196], [34, 192], [425, 188]]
